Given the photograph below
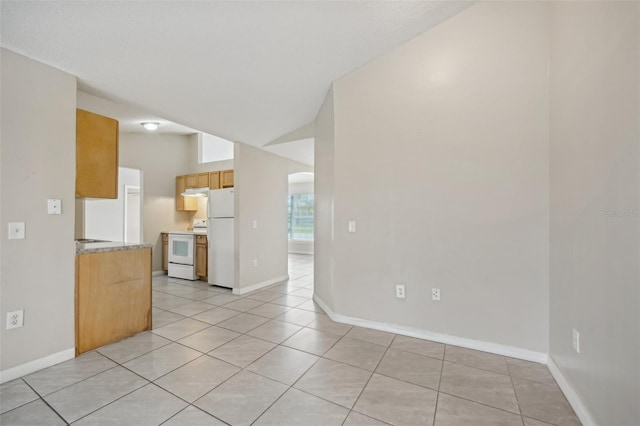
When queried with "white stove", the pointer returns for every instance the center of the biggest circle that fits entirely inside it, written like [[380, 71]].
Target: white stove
[[182, 251]]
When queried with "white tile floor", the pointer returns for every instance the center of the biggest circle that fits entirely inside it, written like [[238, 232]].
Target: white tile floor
[[273, 357]]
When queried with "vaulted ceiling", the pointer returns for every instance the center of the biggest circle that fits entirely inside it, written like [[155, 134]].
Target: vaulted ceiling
[[247, 71]]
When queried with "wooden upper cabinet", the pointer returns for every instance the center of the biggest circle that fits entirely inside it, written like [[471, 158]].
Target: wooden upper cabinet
[[96, 155], [191, 181], [180, 187], [214, 180], [226, 178], [203, 180], [189, 204]]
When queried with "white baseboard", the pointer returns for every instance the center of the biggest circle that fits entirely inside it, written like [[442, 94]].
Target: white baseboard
[[156, 273], [258, 286], [574, 400], [300, 247], [38, 364], [496, 348]]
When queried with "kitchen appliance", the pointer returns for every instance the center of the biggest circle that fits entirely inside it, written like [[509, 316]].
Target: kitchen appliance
[[221, 237], [196, 192], [200, 226], [182, 255]]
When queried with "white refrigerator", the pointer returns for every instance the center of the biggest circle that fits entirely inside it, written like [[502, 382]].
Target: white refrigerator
[[221, 238]]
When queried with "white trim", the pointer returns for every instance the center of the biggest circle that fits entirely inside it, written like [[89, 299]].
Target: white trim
[[36, 365], [300, 246], [301, 252], [572, 396], [496, 348], [131, 189], [156, 273], [258, 286]]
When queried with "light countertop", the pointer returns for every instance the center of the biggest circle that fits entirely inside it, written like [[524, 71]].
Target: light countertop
[[95, 247], [185, 232]]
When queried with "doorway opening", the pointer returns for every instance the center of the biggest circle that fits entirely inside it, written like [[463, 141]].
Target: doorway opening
[[132, 214], [300, 218]]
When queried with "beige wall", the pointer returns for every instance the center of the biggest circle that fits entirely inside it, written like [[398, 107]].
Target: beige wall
[[301, 188], [160, 157], [441, 156], [37, 162], [261, 194], [195, 167], [595, 187], [323, 199]]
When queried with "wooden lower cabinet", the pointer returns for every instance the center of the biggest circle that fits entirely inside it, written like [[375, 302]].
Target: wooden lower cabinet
[[165, 251], [113, 296], [201, 256]]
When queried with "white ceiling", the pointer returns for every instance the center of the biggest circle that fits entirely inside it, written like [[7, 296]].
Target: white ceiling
[[129, 117], [303, 177], [247, 71]]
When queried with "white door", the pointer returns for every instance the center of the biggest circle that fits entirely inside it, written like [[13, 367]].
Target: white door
[[132, 214]]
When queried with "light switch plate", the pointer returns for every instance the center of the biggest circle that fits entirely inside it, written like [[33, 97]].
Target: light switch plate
[[54, 206], [16, 230], [352, 226]]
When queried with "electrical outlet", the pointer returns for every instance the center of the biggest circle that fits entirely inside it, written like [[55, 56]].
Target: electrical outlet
[[435, 294], [54, 206], [400, 291], [255, 224], [16, 230], [576, 341], [15, 319], [255, 263]]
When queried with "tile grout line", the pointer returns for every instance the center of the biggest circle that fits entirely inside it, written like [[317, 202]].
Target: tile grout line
[[444, 355], [316, 361], [371, 376], [41, 398], [188, 300], [170, 392]]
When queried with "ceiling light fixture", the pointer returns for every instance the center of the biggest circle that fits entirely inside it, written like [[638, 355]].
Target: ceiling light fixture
[[150, 125]]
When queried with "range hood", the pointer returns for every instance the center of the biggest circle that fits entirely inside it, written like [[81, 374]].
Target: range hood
[[196, 192]]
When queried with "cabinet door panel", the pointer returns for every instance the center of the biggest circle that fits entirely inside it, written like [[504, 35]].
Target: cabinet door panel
[[192, 181], [201, 260], [226, 179], [180, 187], [203, 180], [96, 155], [187, 204], [165, 252], [214, 180]]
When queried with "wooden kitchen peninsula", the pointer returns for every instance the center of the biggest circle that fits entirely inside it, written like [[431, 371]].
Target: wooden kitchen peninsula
[[113, 292]]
